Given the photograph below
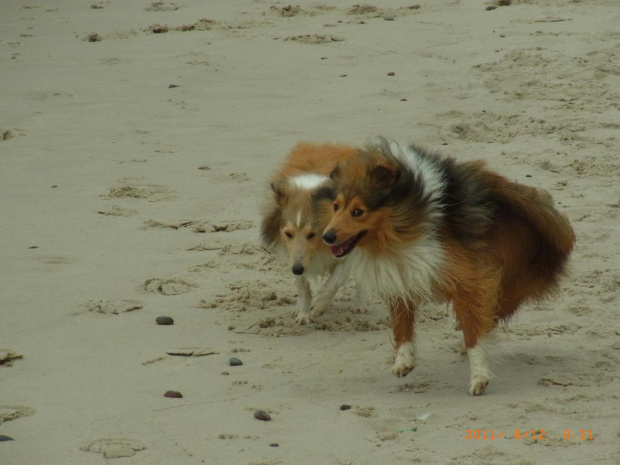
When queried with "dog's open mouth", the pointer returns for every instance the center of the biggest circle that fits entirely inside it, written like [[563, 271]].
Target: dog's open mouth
[[347, 246]]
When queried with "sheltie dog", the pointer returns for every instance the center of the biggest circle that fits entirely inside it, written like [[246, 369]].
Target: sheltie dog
[[420, 227], [294, 220]]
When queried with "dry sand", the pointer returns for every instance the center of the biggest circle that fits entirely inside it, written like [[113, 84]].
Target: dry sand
[[136, 140]]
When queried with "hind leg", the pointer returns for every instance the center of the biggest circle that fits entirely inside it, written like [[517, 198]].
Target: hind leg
[[475, 317], [403, 322]]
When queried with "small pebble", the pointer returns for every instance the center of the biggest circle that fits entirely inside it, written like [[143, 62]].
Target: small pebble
[[389, 18], [262, 415], [345, 407], [173, 394], [94, 37], [234, 362], [490, 8], [274, 445], [391, 73], [5, 438], [172, 86], [164, 320]]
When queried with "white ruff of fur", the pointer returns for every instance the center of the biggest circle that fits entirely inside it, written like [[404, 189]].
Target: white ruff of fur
[[433, 181], [308, 181], [407, 272]]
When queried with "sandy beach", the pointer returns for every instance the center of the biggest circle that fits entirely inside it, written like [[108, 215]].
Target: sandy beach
[[136, 144]]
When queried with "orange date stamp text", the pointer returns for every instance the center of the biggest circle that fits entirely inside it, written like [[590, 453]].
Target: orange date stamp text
[[533, 434]]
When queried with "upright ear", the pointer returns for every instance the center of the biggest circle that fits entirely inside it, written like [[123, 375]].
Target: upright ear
[[336, 171], [270, 226], [324, 192], [280, 192], [384, 175]]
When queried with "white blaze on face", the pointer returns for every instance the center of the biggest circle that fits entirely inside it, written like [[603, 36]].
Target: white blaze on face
[[308, 181]]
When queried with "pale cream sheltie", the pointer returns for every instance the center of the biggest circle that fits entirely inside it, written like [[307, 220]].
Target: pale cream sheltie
[[419, 227], [294, 220]]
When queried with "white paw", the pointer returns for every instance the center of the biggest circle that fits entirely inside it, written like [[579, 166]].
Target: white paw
[[480, 373], [302, 318], [478, 384], [405, 360], [318, 309]]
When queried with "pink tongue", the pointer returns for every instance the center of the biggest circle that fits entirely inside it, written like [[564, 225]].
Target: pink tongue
[[339, 249], [336, 250]]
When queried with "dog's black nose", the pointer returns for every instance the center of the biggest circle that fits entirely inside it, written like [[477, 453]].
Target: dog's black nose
[[329, 237], [298, 269]]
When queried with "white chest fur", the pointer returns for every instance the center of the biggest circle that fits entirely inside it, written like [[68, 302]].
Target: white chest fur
[[406, 271]]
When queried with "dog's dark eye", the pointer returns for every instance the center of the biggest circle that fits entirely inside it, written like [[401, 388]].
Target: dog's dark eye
[[311, 236], [336, 207], [357, 212], [288, 234]]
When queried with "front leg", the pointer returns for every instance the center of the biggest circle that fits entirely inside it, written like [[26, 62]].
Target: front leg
[[304, 297], [337, 277], [480, 373], [403, 322]]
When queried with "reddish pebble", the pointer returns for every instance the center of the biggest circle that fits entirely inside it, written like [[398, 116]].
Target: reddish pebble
[[391, 73], [173, 394]]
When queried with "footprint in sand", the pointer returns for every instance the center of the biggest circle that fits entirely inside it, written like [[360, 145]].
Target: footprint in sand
[[315, 39], [115, 210], [201, 226], [245, 248], [113, 307], [239, 177], [230, 226], [162, 6], [288, 11], [113, 448], [173, 286], [196, 225], [12, 412], [245, 296], [150, 192]]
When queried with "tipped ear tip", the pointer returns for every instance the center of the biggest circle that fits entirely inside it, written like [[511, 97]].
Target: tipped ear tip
[[335, 170], [386, 173]]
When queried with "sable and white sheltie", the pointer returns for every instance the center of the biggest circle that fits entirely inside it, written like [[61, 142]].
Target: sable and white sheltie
[[294, 220], [418, 227]]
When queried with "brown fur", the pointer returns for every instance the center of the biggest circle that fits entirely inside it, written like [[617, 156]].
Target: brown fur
[[281, 209], [504, 243], [294, 218]]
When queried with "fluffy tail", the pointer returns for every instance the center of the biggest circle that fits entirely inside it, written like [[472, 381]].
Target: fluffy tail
[[536, 207]]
